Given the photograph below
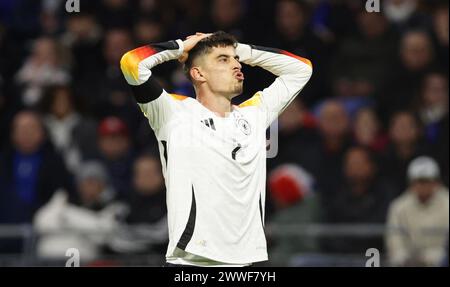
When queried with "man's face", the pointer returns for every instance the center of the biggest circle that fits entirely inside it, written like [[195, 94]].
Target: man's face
[[416, 51], [90, 190], [114, 146], [28, 133], [403, 129], [358, 167], [333, 120], [424, 188], [222, 71], [147, 177]]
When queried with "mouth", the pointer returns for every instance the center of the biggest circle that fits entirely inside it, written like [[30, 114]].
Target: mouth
[[239, 76]]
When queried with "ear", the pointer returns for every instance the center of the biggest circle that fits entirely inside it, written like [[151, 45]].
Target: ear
[[196, 74]]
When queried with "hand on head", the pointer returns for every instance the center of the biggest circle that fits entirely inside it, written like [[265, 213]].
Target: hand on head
[[190, 43]]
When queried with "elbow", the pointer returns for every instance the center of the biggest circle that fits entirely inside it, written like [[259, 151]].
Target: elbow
[[309, 70], [125, 59], [308, 66], [129, 68]]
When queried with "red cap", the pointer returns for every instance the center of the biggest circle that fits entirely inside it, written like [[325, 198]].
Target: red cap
[[289, 183], [112, 126]]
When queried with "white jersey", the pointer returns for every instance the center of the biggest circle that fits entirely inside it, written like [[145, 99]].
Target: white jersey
[[215, 167]]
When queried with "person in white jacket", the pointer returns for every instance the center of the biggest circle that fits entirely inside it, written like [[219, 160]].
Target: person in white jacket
[[83, 222], [418, 220]]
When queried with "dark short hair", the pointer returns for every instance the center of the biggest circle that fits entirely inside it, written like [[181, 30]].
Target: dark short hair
[[217, 39]]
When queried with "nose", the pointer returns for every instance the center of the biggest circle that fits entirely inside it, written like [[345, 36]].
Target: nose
[[236, 65]]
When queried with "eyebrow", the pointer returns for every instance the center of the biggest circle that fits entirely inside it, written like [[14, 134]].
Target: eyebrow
[[227, 56]]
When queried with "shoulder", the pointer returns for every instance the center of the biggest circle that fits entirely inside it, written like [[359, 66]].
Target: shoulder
[[254, 101], [178, 97], [402, 202], [443, 195]]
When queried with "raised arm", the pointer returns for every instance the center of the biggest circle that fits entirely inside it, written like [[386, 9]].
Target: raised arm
[[136, 67], [293, 72]]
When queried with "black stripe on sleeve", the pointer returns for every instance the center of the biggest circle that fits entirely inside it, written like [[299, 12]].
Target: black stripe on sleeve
[[267, 49], [147, 91], [170, 45], [189, 229]]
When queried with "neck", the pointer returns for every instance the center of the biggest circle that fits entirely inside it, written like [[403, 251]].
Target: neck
[[217, 103]]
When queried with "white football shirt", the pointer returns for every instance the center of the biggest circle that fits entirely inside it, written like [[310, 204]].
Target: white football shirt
[[215, 167]]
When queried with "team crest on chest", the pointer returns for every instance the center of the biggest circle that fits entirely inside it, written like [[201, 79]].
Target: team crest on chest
[[244, 126]]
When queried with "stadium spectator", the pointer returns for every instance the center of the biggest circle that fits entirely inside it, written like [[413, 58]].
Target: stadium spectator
[[112, 95], [148, 30], [291, 189], [46, 65], [69, 131], [81, 221], [116, 153], [293, 33], [418, 220], [363, 197], [367, 131], [227, 15], [297, 138], [404, 14], [416, 59], [432, 107], [405, 144], [83, 37], [441, 34], [371, 51], [334, 129], [30, 170], [145, 225]]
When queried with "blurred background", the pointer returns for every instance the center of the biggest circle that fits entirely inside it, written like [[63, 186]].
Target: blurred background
[[363, 150]]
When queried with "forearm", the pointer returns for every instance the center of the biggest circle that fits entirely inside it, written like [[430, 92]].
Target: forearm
[[276, 61], [293, 72], [136, 67]]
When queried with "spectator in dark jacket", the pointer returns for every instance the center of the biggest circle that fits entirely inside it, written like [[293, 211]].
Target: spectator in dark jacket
[[405, 144], [116, 153], [70, 132], [30, 172], [334, 129], [363, 197], [145, 226]]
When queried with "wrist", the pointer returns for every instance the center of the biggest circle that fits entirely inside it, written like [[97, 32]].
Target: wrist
[[244, 52], [180, 47]]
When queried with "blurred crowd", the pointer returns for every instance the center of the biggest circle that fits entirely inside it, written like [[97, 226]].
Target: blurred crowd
[[366, 141]]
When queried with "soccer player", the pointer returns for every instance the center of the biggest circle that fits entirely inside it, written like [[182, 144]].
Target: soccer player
[[213, 153]]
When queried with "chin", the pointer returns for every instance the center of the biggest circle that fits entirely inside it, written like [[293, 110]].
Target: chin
[[239, 89]]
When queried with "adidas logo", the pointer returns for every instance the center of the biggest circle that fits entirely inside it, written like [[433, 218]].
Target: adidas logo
[[209, 123]]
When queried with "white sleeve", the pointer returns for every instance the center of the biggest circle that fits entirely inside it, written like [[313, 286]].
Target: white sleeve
[[136, 67], [293, 72]]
